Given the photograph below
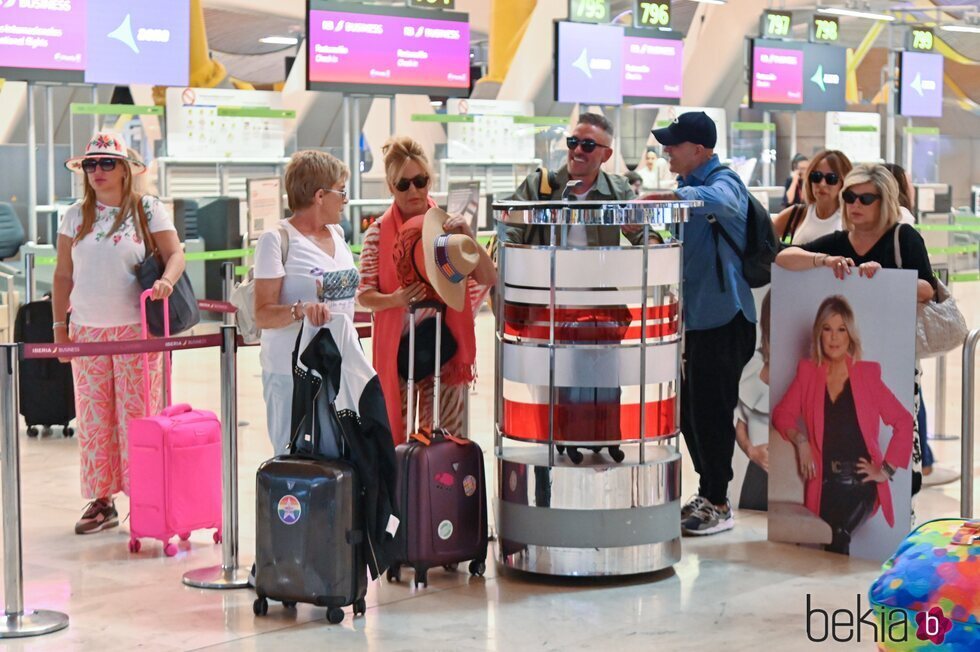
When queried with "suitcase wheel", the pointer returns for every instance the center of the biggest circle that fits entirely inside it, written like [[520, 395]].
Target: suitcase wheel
[[575, 455], [169, 549], [335, 615], [451, 568], [360, 607], [394, 574], [421, 577], [217, 536], [617, 453], [184, 536], [68, 430], [478, 568], [32, 431], [260, 607], [288, 604], [134, 545]]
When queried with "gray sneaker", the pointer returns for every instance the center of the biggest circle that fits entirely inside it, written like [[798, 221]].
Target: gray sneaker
[[709, 519], [692, 506], [99, 515]]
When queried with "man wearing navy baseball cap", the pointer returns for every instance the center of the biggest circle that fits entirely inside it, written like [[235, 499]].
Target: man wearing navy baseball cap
[[719, 314]]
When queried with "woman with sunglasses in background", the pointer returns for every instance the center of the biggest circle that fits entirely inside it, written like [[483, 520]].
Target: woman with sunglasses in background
[[409, 178], [821, 212], [870, 218], [303, 269], [100, 244]]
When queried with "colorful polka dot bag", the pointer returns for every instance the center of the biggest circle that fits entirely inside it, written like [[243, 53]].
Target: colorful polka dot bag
[[928, 596]]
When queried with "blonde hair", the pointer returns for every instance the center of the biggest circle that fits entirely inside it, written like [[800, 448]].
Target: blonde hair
[[887, 187], [310, 171], [128, 205], [835, 305], [838, 162], [398, 152]]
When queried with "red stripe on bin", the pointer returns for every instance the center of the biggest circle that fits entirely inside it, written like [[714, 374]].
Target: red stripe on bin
[[588, 421], [602, 324]]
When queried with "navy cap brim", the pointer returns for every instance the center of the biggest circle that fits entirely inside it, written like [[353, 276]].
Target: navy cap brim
[[666, 136]]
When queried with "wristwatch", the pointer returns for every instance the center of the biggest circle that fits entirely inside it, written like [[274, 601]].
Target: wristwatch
[[888, 469]]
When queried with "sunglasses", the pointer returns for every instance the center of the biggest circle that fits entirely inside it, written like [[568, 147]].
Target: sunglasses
[[832, 178], [107, 164], [866, 198], [588, 145], [419, 181]]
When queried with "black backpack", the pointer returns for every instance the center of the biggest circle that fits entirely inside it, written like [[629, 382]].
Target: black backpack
[[761, 244]]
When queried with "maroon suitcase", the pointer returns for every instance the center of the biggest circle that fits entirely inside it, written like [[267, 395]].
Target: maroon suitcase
[[441, 492]]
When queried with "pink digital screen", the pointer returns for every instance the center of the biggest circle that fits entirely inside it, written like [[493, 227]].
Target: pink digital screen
[[652, 69], [425, 52], [777, 77], [42, 41]]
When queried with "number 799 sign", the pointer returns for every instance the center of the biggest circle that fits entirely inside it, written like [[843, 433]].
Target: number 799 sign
[[651, 13]]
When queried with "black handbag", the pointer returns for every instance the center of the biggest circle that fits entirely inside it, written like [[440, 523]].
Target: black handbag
[[184, 313], [425, 349]]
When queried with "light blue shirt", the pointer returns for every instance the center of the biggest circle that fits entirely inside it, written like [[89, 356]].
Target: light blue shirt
[[710, 302]]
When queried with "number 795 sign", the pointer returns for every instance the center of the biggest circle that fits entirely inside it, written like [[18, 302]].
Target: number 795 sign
[[651, 13]]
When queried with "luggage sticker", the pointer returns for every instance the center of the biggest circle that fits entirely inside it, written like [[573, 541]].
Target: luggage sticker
[[444, 480], [290, 510], [445, 530], [469, 485]]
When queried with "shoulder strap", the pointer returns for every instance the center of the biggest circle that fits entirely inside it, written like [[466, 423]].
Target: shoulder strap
[[898, 251], [283, 244], [544, 185], [794, 221], [148, 240]]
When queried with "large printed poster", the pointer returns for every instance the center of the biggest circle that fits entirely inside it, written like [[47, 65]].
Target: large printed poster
[[196, 128], [841, 396]]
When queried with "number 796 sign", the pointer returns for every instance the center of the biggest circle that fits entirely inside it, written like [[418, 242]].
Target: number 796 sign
[[651, 13]]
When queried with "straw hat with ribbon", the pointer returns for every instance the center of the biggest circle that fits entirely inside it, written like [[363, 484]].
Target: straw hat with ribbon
[[106, 145]]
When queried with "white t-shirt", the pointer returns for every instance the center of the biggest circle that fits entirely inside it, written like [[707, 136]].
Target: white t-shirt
[[310, 275], [105, 291], [812, 227]]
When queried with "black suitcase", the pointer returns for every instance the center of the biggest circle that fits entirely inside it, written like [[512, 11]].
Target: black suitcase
[[47, 391], [308, 535]]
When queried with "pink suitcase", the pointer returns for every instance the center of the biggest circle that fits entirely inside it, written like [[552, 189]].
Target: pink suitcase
[[174, 467]]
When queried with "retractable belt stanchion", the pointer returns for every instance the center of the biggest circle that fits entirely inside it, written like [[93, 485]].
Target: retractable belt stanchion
[[16, 623], [969, 380], [227, 287], [28, 277], [228, 575]]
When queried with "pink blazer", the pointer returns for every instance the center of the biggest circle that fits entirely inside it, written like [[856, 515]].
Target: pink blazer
[[873, 402]]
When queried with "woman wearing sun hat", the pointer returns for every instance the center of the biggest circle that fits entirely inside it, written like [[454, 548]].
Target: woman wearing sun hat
[[100, 243], [394, 275]]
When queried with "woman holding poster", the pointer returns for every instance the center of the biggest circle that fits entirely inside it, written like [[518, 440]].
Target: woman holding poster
[[841, 400]]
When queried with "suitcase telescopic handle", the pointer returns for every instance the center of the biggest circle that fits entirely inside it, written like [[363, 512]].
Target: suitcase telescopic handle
[[144, 298]]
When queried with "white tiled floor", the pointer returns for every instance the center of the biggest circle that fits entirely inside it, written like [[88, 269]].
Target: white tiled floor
[[734, 591]]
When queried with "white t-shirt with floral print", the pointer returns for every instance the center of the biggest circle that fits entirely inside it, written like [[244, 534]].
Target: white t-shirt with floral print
[[106, 292]]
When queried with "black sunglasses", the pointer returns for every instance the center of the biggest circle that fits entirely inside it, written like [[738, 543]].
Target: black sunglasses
[[419, 181], [866, 198], [588, 145], [107, 164], [832, 178]]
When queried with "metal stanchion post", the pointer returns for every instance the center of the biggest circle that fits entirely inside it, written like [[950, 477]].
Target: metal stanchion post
[[28, 277], [969, 373], [16, 623], [228, 575], [940, 433], [227, 286]]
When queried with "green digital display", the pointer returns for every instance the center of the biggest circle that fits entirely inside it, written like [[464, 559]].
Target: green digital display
[[776, 24], [921, 39], [825, 29], [651, 13], [433, 4], [589, 11]]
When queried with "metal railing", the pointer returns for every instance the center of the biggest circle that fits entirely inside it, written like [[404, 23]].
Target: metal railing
[[968, 422]]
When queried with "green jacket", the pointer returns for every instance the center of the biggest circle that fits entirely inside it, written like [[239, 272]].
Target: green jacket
[[536, 187]]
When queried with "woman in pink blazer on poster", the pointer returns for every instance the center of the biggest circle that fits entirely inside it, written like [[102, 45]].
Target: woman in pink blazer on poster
[[842, 399]]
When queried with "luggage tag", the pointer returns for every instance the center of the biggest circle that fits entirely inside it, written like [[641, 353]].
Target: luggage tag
[[968, 534], [423, 437], [393, 524]]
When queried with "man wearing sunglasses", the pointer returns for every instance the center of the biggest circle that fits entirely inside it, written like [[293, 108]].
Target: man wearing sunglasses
[[589, 146], [719, 314]]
